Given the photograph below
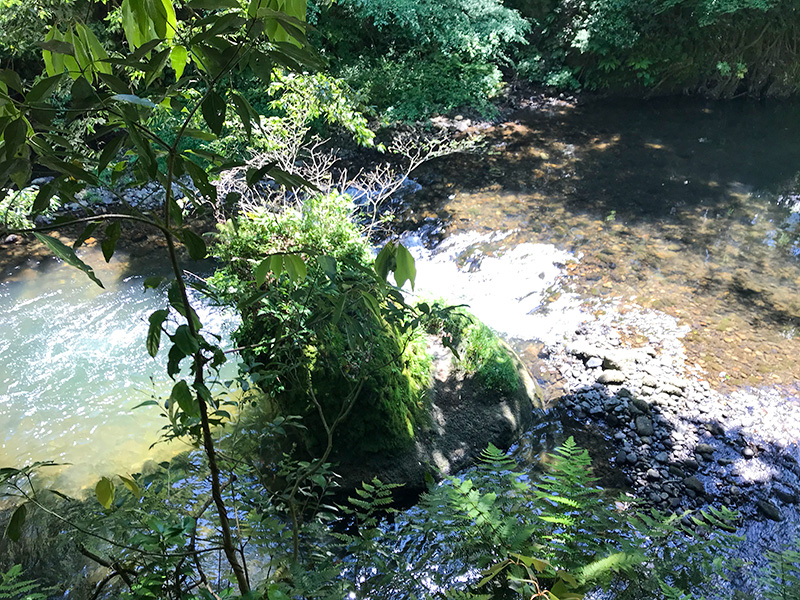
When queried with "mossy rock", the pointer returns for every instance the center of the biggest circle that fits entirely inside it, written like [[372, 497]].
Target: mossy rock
[[466, 415], [391, 403]]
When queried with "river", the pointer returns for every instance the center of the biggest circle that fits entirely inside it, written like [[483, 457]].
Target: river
[[74, 366], [683, 207]]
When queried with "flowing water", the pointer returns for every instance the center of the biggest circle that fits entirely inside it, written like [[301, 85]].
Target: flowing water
[[691, 208], [74, 366]]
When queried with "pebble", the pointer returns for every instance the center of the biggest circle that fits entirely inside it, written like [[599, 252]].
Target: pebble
[[611, 376], [704, 449], [694, 484], [644, 426]]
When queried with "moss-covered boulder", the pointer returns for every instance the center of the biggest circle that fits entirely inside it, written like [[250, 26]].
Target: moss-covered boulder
[[483, 394]]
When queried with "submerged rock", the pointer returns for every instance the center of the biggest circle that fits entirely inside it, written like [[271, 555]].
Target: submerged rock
[[769, 510]]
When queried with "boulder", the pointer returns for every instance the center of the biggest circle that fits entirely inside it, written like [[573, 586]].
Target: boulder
[[769, 510], [465, 419]]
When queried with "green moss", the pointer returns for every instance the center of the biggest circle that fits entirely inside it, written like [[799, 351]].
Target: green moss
[[480, 352], [491, 363], [389, 407]]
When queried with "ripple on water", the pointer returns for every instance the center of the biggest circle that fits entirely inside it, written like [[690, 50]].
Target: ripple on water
[[74, 365]]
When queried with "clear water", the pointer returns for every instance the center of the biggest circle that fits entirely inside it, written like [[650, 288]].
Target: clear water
[[74, 365], [683, 206]]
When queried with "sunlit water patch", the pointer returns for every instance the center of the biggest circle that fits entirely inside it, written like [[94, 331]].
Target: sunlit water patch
[[681, 206], [74, 366]]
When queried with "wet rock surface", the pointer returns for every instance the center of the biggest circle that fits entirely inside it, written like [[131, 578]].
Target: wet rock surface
[[465, 418], [680, 444]]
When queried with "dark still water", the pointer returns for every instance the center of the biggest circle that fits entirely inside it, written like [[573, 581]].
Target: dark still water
[[687, 207]]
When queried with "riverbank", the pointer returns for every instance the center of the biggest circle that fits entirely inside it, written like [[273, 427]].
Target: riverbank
[[664, 330], [619, 379]]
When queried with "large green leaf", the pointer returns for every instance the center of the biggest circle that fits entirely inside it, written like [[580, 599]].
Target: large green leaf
[[245, 112], [178, 59], [132, 486], [68, 255], [385, 261], [194, 244], [213, 109], [405, 270], [110, 151], [295, 267], [104, 491], [200, 179], [154, 332], [184, 339], [85, 234], [14, 136], [182, 395], [14, 527], [109, 244], [44, 88]]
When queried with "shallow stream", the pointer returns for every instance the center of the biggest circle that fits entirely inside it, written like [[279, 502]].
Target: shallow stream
[[688, 207], [74, 366]]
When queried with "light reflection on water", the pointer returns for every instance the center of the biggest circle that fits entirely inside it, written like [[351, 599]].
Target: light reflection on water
[[681, 206], [73, 366]]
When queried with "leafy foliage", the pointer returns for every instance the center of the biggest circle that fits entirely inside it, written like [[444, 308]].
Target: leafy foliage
[[414, 58], [498, 532], [781, 578], [14, 587], [720, 48], [311, 342]]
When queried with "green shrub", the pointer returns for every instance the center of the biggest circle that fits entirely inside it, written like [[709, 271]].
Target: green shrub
[[415, 58], [412, 85], [318, 343]]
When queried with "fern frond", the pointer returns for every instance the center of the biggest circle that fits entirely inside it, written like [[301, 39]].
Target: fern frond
[[614, 563], [14, 587], [496, 459]]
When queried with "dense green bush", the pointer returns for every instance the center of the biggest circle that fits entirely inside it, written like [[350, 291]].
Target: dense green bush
[[311, 344], [413, 84], [719, 48]]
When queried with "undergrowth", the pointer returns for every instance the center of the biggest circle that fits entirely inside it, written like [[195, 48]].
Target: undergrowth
[[500, 532]]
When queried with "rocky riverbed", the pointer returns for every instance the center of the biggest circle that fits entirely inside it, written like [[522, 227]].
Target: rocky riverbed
[[621, 371]]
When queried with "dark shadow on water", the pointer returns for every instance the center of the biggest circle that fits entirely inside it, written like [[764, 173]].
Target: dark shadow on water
[[692, 207]]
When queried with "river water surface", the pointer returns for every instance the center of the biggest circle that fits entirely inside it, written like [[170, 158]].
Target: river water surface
[[74, 366], [688, 207]]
